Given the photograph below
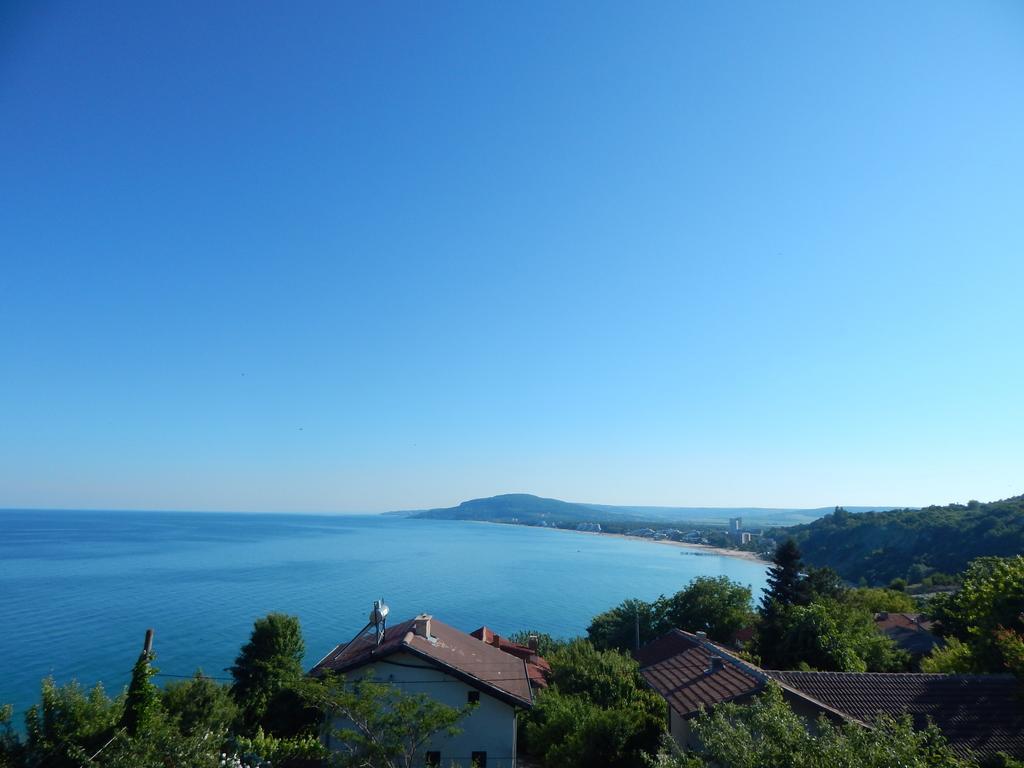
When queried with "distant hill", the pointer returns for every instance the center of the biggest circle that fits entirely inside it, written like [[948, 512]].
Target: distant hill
[[533, 510], [912, 543]]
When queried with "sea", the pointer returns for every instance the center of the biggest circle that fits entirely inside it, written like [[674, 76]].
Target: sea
[[79, 589]]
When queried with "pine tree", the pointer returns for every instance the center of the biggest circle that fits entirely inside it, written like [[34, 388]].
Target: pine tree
[[786, 588], [786, 585]]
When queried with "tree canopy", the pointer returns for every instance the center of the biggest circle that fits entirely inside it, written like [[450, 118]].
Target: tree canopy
[[912, 544], [267, 667]]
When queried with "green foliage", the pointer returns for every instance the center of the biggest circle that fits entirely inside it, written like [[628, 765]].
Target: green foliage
[[831, 636], [617, 628], [596, 712], [879, 600], [987, 614], [546, 644], [786, 586], [142, 702], [267, 667], [199, 705], [768, 734], [69, 725], [785, 591], [265, 750], [913, 543], [952, 658], [161, 745], [823, 582], [11, 750], [715, 605], [381, 726]]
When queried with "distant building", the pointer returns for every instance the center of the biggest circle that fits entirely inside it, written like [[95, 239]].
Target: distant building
[[589, 527], [646, 533], [746, 538], [910, 631], [735, 525], [422, 655]]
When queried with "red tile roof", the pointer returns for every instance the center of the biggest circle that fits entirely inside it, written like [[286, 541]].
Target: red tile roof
[[979, 714], [678, 665], [478, 664], [910, 631], [537, 667]]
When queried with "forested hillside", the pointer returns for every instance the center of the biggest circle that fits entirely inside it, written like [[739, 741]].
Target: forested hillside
[[912, 543]]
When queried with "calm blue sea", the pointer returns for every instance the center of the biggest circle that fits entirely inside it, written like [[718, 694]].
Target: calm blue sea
[[79, 589]]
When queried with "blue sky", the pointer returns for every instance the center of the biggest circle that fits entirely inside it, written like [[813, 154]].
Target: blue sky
[[359, 256]]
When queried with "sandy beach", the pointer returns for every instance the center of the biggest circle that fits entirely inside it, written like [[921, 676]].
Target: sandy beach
[[698, 549]]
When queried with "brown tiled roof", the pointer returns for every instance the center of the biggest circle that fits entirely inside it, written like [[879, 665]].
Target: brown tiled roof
[[478, 664], [537, 667], [678, 666], [979, 714], [910, 631]]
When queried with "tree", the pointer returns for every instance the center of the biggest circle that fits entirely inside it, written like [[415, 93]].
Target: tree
[[380, 725], [597, 711], [69, 725], [786, 590], [545, 643], [199, 705], [824, 582], [617, 628], [785, 578], [715, 605], [831, 636], [878, 600], [267, 667], [987, 614], [11, 749], [142, 702], [768, 734]]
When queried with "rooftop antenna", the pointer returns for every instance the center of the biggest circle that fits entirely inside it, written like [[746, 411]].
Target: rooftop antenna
[[379, 618]]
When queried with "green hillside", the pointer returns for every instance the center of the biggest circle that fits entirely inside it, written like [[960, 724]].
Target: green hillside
[[523, 508], [912, 543], [533, 510]]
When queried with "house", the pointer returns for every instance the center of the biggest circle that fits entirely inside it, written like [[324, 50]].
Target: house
[[424, 655], [910, 631], [980, 715]]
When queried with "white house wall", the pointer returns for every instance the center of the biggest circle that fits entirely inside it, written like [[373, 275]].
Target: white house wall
[[490, 727]]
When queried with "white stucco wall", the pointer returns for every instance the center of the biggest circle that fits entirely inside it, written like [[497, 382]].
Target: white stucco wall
[[490, 728]]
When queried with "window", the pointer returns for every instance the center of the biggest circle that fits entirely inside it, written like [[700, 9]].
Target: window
[[473, 697], [433, 759], [479, 760]]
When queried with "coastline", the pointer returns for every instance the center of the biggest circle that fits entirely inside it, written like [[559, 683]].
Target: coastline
[[697, 549]]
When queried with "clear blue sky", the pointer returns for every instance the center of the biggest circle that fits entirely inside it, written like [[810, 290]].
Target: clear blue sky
[[366, 256]]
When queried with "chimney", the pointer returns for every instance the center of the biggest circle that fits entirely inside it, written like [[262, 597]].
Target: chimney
[[147, 645], [883, 615], [701, 634], [716, 665], [533, 643], [421, 625]]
